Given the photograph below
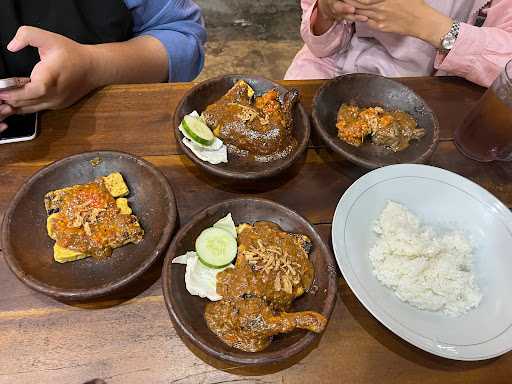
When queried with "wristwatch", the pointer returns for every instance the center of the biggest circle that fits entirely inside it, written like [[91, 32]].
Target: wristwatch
[[449, 39]]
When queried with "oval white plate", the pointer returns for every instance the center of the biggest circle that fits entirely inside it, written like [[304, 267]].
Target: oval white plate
[[441, 199]]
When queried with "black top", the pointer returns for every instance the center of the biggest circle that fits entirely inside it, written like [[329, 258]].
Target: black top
[[85, 21]]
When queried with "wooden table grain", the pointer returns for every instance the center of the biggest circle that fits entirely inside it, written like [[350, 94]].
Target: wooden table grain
[[131, 340]]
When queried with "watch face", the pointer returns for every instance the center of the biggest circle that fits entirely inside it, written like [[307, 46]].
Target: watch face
[[448, 42]]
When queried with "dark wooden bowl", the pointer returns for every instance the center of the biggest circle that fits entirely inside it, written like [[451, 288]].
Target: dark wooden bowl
[[367, 90], [29, 251], [240, 168], [187, 311]]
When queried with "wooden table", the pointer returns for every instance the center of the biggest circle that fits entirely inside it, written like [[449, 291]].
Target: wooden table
[[133, 341]]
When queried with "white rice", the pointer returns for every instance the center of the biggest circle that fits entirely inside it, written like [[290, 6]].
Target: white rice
[[427, 270]]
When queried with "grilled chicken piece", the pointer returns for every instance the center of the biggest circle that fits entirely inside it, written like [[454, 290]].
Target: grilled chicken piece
[[249, 324], [272, 269], [393, 130], [396, 130], [351, 128], [261, 127]]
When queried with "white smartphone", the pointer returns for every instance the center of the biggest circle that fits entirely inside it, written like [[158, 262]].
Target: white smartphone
[[20, 127]]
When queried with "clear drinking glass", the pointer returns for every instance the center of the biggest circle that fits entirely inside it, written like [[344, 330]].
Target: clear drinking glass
[[486, 133]]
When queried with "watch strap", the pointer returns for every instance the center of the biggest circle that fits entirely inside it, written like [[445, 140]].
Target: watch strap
[[450, 37]]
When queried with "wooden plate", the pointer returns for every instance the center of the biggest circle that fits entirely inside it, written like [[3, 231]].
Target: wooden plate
[[366, 90], [240, 168], [29, 251], [187, 311]]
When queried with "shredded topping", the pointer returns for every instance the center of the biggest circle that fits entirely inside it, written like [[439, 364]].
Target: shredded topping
[[83, 215], [270, 259]]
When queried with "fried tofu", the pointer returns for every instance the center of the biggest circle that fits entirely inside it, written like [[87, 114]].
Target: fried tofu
[[49, 225], [115, 185], [64, 255], [122, 204]]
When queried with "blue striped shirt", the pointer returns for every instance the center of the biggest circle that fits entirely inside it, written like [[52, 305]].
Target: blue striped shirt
[[178, 24]]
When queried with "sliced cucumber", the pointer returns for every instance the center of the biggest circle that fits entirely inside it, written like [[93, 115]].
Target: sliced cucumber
[[216, 247], [227, 224], [198, 130]]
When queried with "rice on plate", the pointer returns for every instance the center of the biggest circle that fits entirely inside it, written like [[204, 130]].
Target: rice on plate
[[429, 270]]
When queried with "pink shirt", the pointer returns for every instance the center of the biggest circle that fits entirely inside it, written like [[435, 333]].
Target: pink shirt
[[479, 54]]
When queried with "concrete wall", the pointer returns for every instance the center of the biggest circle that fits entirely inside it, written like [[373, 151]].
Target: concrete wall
[[247, 6], [258, 19], [250, 36]]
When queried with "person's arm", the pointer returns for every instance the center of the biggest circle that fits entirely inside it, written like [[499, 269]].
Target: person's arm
[[480, 54], [68, 71], [415, 18], [332, 37], [179, 27], [139, 60]]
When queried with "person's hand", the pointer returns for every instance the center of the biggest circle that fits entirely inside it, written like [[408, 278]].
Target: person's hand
[[61, 77], [330, 11], [339, 10], [406, 17], [5, 111]]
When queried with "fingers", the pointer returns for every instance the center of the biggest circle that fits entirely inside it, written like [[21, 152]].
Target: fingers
[[374, 24], [356, 4], [355, 18], [362, 4], [32, 36], [341, 7], [6, 111], [358, 17], [344, 11], [41, 106], [348, 9], [369, 14], [25, 103], [17, 97]]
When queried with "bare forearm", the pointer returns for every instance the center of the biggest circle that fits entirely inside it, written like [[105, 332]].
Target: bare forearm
[[414, 18], [139, 60], [432, 26]]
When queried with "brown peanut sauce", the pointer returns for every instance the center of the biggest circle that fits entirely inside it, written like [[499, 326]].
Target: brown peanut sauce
[[90, 222], [391, 129], [272, 269], [258, 128]]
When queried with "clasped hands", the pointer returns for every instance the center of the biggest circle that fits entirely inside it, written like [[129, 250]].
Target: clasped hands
[[405, 17]]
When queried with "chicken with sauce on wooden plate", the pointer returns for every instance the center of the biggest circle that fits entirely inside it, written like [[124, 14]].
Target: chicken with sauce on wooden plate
[[272, 269]]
